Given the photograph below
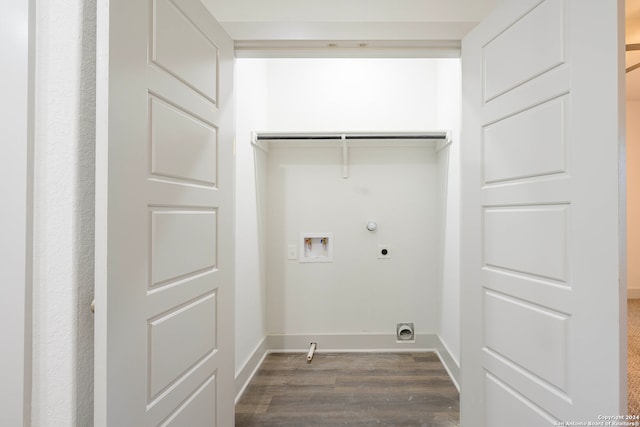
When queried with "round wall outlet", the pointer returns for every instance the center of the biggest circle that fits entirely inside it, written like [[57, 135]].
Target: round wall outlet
[[384, 251]]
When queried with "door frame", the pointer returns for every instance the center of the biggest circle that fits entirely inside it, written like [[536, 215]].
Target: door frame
[[17, 30], [621, 266], [19, 298]]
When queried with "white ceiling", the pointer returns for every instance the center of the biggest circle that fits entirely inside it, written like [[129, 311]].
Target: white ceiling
[[349, 19], [350, 10]]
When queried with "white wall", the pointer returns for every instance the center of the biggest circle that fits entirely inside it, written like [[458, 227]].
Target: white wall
[[352, 94], [633, 198], [449, 81], [357, 293], [251, 114], [397, 187], [64, 214]]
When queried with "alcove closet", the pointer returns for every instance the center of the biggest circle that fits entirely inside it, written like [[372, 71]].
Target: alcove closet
[[325, 146]]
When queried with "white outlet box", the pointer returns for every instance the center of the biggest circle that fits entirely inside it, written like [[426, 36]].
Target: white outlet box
[[384, 251], [292, 252], [316, 247]]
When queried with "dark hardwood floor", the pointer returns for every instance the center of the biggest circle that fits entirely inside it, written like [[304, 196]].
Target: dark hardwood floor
[[350, 389]]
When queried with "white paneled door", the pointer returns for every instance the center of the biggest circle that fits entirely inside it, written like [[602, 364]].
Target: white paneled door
[[164, 215], [541, 286]]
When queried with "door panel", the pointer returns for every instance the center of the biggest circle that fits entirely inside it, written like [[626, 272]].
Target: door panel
[[513, 233], [504, 405], [507, 319], [182, 146], [181, 244], [528, 56], [190, 412], [164, 267], [540, 266], [528, 144], [172, 32], [168, 363]]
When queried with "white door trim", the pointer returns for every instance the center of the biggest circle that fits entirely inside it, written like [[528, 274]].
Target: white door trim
[[17, 25]]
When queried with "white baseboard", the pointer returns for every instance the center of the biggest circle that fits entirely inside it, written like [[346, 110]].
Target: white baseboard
[[633, 293], [244, 376], [347, 344], [450, 363], [350, 343]]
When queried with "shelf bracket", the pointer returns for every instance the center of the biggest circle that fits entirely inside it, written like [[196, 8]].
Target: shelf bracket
[[345, 157]]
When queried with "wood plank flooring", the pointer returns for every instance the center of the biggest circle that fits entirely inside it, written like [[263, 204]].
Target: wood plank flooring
[[350, 389]]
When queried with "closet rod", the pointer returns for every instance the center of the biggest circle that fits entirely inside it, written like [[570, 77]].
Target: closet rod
[[350, 136]]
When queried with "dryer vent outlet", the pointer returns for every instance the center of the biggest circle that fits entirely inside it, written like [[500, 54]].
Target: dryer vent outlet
[[404, 332]]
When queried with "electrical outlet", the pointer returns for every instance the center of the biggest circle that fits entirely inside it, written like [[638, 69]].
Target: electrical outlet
[[384, 251], [292, 252]]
